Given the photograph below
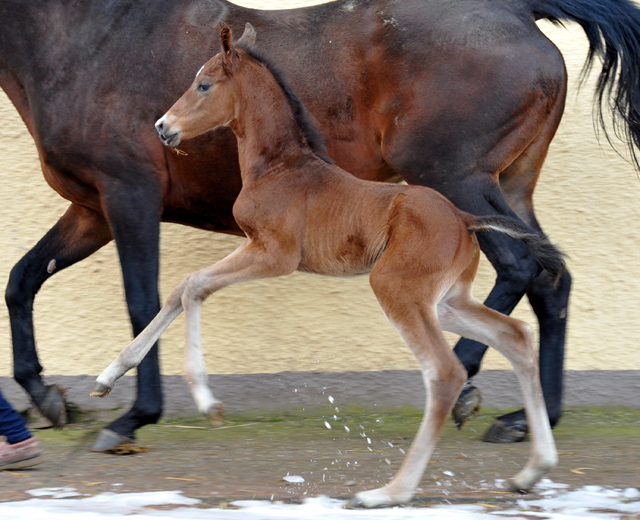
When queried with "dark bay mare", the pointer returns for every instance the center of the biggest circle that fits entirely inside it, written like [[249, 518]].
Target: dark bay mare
[[300, 212], [461, 96]]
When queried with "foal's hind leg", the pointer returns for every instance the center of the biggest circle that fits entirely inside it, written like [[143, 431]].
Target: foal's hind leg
[[410, 305], [461, 314]]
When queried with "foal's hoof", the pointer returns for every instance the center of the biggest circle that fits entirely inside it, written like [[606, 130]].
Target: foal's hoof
[[108, 440], [503, 432], [216, 415], [100, 390], [467, 405], [382, 497], [53, 406], [354, 503]]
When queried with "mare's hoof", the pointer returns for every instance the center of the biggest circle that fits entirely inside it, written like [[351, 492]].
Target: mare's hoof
[[108, 440], [467, 405], [53, 406], [216, 415], [503, 432]]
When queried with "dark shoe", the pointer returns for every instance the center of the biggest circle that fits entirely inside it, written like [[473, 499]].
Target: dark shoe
[[20, 455]]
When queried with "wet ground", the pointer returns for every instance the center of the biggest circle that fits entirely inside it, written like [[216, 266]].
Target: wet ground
[[249, 456]]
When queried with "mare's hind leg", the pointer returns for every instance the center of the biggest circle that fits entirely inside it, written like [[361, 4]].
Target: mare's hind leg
[[461, 314], [550, 304], [548, 301], [248, 262], [79, 233], [470, 181]]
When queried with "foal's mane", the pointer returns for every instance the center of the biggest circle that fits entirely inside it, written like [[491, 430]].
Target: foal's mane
[[312, 136]]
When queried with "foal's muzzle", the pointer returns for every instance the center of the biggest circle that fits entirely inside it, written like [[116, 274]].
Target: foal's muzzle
[[166, 136]]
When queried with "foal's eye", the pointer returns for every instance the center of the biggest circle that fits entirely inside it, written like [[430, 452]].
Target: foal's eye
[[203, 87]]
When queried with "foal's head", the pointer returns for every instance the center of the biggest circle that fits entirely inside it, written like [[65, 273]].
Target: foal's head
[[209, 102]]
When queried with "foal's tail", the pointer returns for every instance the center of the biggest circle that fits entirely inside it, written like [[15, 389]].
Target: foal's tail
[[613, 30], [549, 257]]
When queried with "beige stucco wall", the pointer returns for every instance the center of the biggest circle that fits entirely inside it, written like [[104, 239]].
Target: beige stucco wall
[[588, 201]]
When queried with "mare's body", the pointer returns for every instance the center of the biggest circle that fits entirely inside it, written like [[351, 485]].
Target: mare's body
[[458, 96], [301, 212]]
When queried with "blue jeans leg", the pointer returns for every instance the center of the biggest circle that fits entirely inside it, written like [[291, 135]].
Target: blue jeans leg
[[12, 426]]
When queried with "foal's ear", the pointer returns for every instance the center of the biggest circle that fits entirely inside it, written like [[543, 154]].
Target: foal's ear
[[228, 51], [226, 40], [248, 38]]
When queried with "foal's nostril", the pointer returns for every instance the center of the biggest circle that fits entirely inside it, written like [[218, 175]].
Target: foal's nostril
[[160, 126]]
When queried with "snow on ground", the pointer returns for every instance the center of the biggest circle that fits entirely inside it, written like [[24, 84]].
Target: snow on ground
[[558, 503]]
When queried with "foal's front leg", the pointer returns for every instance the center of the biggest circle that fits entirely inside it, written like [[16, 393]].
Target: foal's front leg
[[248, 262]]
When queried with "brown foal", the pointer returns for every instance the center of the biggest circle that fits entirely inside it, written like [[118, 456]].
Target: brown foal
[[300, 212]]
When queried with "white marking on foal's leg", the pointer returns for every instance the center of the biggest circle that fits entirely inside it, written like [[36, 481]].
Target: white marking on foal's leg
[[195, 371], [543, 456]]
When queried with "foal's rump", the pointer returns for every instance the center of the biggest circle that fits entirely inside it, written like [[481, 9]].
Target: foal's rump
[[431, 226]]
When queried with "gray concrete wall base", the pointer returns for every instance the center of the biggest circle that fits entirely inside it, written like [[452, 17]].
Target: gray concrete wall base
[[384, 389]]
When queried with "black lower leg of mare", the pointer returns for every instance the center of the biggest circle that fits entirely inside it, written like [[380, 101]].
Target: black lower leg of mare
[[549, 301], [551, 307], [77, 234], [134, 215]]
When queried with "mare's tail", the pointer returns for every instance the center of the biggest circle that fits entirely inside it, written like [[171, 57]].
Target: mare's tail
[[613, 30], [549, 257]]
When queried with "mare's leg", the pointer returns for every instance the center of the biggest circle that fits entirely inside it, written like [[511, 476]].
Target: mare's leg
[[133, 212], [551, 303], [548, 301], [79, 233], [461, 314], [248, 262], [470, 181]]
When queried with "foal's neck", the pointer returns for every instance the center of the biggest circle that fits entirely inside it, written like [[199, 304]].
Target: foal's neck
[[267, 131]]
